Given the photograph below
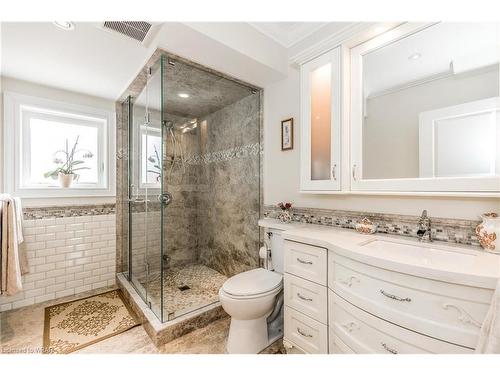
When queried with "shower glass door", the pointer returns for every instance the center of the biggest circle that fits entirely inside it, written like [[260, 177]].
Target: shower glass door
[[211, 133], [193, 186], [145, 190]]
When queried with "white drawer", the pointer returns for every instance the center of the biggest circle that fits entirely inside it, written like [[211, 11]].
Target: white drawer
[[336, 345], [306, 297], [291, 348], [307, 333], [449, 312], [365, 333], [306, 261]]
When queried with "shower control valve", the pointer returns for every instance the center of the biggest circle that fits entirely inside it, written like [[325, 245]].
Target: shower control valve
[[165, 198]]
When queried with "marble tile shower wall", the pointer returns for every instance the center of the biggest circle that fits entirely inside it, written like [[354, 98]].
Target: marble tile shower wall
[[222, 171], [449, 230], [70, 250], [181, 215], [230, 204]]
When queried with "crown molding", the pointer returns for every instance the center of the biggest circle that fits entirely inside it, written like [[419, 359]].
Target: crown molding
[[287, 43], [330, 42]]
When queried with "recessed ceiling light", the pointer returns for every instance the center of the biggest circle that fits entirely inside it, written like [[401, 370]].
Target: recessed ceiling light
[[183, 95], [65, 25], [415, 56]]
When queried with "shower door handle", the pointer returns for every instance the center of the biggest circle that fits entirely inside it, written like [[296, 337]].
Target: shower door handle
[[165, 198]]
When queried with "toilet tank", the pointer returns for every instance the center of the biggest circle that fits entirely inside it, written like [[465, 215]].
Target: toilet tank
[[274, 240]]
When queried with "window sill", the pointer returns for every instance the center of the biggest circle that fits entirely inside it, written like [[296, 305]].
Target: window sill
[[67, 201], [59, 192]]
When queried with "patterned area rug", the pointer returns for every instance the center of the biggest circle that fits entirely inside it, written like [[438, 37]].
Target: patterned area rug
[[73, 325]]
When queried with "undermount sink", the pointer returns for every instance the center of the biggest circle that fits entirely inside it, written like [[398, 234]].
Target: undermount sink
[[425, 253]]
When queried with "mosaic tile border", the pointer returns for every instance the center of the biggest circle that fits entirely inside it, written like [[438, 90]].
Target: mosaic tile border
[[239, 152], [448, 230], [35, 213]]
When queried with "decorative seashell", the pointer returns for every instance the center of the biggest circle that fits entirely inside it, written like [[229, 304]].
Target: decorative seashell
[[366, 226]]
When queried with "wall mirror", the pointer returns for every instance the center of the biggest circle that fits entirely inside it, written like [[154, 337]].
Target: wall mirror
[[425, 109]]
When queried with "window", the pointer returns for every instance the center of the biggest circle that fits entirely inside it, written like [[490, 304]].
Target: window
[[150, 157], [44, 140]]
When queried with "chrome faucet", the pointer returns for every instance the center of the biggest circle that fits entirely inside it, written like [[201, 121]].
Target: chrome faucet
[[424, 228]]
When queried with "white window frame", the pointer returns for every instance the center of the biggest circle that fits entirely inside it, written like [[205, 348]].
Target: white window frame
[[15, 145], [438, 184]]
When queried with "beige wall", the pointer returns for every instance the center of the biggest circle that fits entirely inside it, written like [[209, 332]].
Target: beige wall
[[390, 137], [282, 173], [28, 88]]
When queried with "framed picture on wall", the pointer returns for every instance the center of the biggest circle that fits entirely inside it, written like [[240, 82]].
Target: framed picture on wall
[[287, 134]]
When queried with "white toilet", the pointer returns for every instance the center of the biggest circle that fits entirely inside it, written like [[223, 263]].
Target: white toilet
[[250, 298]]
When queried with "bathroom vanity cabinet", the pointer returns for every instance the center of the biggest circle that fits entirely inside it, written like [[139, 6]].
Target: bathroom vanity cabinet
[[349, 293]]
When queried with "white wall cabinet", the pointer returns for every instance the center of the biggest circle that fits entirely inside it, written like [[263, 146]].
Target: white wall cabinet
[[320, 123], [451, 131], [363, 103]]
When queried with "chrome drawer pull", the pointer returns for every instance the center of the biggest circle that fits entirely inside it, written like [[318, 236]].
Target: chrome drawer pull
[[302, 333], [304, 261], [392, 351], [392, 296], [304, 298]]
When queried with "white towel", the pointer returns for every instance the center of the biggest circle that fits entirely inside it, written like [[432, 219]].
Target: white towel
[[19, 218], [12, 256], [489, 336]]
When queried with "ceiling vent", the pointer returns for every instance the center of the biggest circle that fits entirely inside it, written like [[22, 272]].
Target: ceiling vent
[[137, 30]]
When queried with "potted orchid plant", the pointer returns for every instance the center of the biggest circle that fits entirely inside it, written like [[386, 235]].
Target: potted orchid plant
[[285, 216], [67, 163]]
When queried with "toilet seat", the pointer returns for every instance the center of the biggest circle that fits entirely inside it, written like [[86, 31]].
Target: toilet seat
[[252, 284]]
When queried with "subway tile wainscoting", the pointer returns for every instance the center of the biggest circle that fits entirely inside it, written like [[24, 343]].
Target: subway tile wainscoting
[[70, 250]]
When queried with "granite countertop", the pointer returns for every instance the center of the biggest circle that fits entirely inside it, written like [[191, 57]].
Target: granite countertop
[[453, 263]]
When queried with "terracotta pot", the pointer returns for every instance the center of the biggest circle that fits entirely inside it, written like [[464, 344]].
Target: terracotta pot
[[488, 232], [65, 180]]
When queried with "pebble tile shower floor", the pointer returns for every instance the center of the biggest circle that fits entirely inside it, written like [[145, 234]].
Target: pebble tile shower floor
[[186, 289]]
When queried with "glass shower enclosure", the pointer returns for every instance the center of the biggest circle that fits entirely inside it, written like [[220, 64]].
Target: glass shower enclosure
[[193, 185]]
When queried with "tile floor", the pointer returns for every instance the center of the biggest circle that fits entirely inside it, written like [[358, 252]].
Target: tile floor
[[21, 331], [203, 282]]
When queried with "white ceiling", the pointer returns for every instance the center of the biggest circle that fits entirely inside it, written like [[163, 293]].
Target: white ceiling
[[466, 45], [87, 59], [96, 62], [288, 33]]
